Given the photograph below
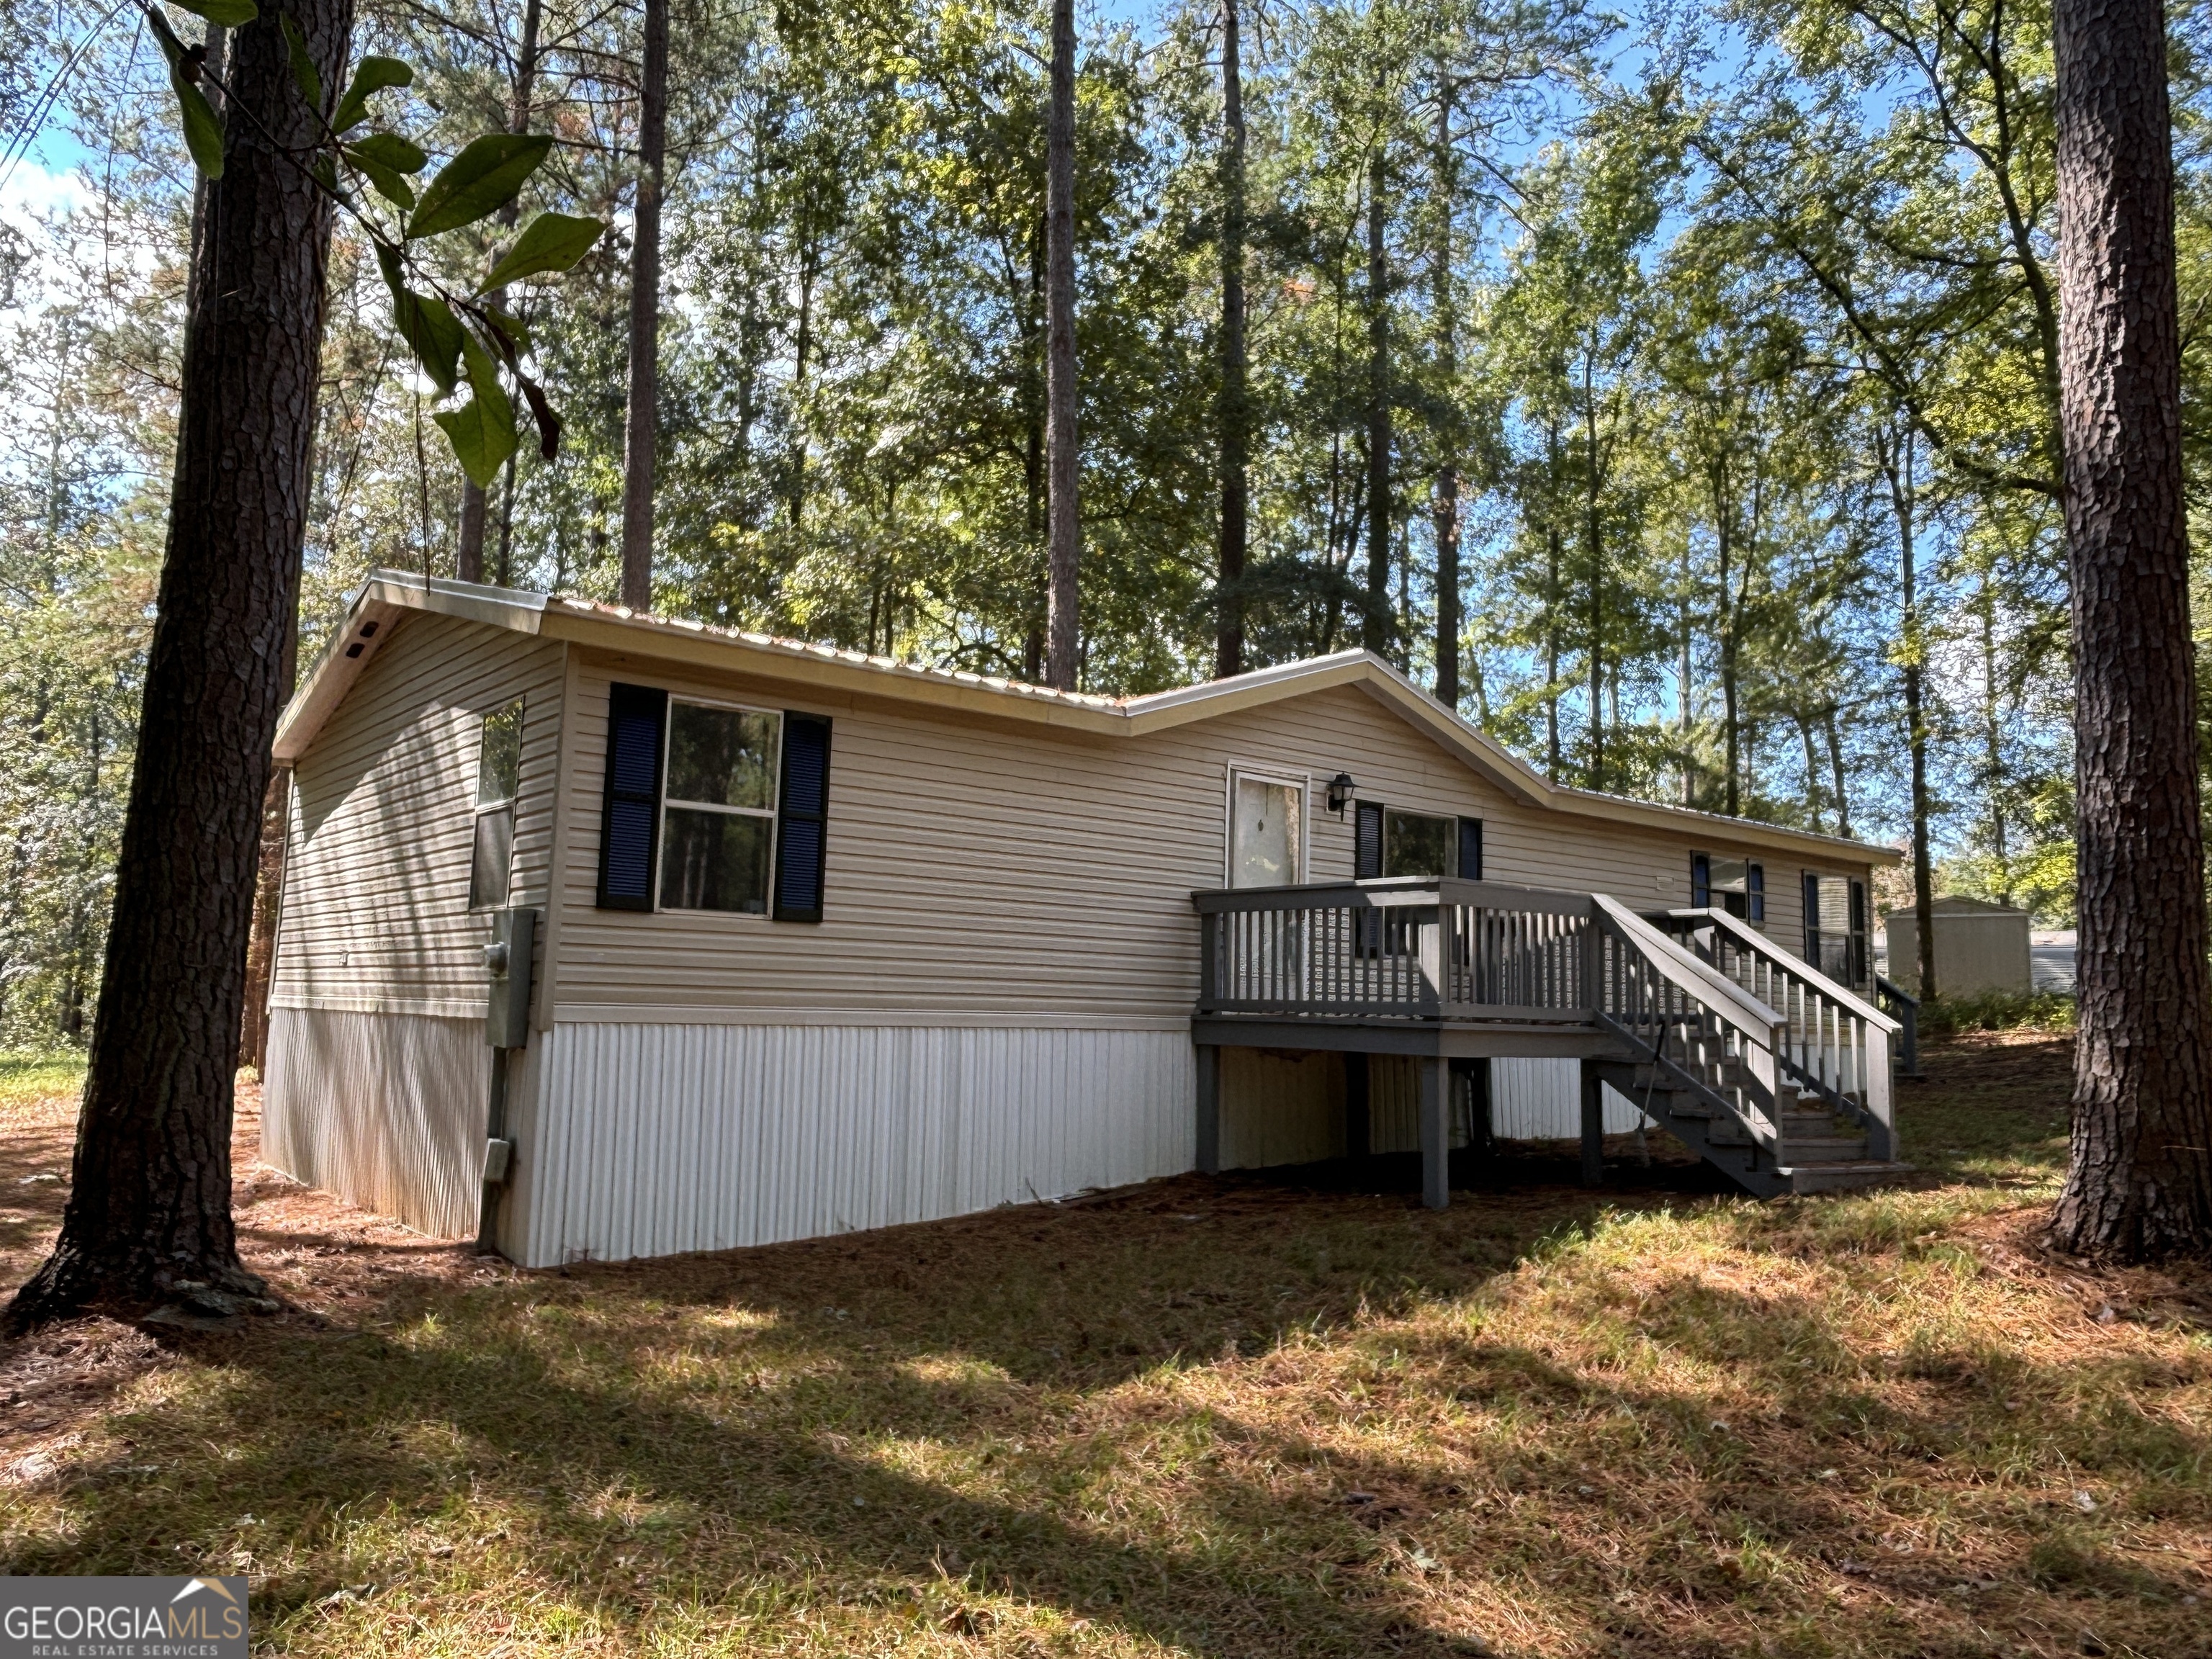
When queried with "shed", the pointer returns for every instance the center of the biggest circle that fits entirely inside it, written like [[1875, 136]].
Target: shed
[[1980, 947], [788, 939]]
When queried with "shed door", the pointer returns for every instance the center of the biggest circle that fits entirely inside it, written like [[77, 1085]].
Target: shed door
[[1267, 832]]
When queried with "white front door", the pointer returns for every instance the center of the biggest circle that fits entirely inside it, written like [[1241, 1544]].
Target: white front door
[[1267, 832]]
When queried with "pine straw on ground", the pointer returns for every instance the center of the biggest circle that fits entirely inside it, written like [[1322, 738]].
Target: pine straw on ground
[[1210, 1418]]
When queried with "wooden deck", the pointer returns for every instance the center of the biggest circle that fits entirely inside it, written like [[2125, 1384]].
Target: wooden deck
[[1739, 1049]]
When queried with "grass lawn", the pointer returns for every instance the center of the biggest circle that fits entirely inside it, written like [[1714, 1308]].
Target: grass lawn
[[1206, 1418]]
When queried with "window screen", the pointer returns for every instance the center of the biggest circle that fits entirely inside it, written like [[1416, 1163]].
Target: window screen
[[718, 820], [499, 779]]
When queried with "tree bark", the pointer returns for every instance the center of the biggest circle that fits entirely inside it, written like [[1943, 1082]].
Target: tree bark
[[1898, 458], [148, 1217], [1229, 643], [468, 552], [642, 424], [1374, 628], [1065, 549], [2140, 1183], [1447, 493]]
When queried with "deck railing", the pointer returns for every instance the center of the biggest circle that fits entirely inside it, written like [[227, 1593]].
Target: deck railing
[[1415, 948]]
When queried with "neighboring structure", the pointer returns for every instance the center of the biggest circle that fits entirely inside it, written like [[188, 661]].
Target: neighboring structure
[[823, 941], [1979, 947]]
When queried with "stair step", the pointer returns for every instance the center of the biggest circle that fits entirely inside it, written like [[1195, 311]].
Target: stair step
[[1821, 1149], [1841, 1177]]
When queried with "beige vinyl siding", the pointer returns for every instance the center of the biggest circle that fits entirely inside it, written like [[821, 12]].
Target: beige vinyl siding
[[979, 867], [376, 914]]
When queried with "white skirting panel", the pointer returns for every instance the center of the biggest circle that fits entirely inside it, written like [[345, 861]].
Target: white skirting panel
[[1280, 1107], [385, 1110], [653, 1139], [1542, 1100]]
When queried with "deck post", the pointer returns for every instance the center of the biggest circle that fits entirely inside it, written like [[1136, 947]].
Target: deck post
[[1209, 1109], [1359, 1114], [1436, 1134], [1593, 1126]]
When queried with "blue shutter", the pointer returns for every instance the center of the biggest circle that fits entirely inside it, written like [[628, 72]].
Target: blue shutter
[[1470, 849], [1701, 882], [1367, 843], [1812, 918], [630, 820], [1754, 891], [802, 820], [1858, 919]]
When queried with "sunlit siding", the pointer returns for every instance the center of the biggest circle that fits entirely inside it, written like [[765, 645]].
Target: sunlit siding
[[981, 867], [649, 1140], [376, 914]]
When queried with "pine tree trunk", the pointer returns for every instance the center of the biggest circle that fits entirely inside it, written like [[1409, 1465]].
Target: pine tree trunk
[[641, 425], [468, 554], [1447, 495], [1229, 643], [1374, 628], [2140, 1183], [1063, 533], [148, 1217]]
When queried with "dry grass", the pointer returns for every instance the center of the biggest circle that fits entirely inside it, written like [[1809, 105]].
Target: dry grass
[[1202, 1418]]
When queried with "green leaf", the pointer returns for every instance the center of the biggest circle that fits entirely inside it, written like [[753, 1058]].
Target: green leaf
[[512, 327], [391, 186], [372, 75], [482, 178], [389, 149], [481, 431], [552, 241], [303, 67], [432, 333], [228, 13], [203, 128]]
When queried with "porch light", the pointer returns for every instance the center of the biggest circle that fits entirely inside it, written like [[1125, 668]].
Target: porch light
[[1340, 791]]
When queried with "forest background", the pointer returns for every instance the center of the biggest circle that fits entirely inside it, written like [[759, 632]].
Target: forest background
[[1707, 355]]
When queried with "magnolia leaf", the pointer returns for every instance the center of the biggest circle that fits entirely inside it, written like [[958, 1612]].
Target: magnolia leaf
[[552, 241], [391, 186], [481, 431], [303, 67], [373, 76], [482, 178], [541, 411], [389, 149], [203, 127], [432, 333], [228, 13]]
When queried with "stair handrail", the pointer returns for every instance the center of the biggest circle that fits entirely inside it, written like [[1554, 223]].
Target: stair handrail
[[1759, 945], [1748, 1014], [1759, 1029]]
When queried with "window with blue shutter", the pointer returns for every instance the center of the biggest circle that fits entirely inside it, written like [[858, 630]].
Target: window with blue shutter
[[630, 820], [802, 834], [1470, 849]]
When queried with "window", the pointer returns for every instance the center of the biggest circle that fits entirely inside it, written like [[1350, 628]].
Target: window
[[1836, 927], [717, 813], [712, 806], [1389, 843], [1735, 886], [499, 776], [1415, 845]]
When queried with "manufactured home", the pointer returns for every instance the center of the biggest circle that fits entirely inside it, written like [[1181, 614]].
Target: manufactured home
[[608, 935]]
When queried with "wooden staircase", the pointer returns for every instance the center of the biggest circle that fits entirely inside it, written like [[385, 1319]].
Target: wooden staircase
[[1769, 1071]]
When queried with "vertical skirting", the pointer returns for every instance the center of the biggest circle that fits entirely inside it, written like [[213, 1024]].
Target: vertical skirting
[[655, 1139], [385, 1110]]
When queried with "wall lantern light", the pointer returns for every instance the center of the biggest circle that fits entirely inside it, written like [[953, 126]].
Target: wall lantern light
[[1340, 791]]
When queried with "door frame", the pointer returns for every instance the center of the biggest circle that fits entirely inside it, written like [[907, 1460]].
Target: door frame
[[1301, 781]]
